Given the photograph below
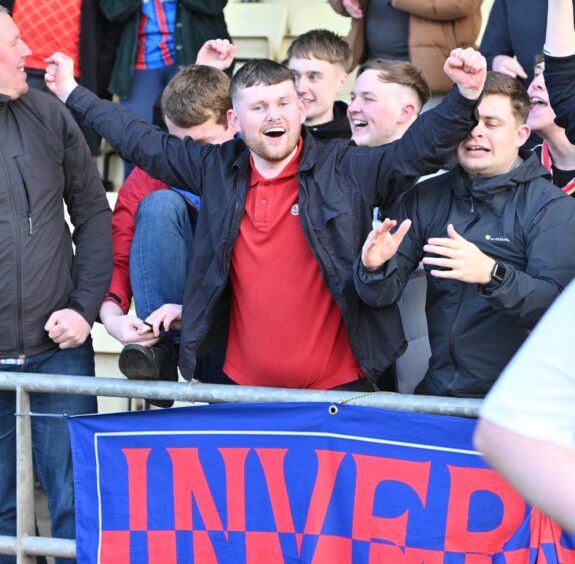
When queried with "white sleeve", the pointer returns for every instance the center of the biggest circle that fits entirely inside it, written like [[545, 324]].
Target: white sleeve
[[535, 395]]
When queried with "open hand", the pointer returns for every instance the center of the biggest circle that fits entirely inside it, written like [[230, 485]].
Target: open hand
[[463, 259], [381, 244]]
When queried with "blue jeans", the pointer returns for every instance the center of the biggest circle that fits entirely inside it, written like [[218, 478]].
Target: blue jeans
[[50, 440], [163, 237]]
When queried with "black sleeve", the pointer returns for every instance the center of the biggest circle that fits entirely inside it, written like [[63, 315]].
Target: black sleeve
[[91, 217], [163, 156], [550, 265], [560, 82], [496, 39]]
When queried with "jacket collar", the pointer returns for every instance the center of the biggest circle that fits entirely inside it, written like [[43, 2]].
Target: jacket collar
[[308, 156], [485, 187], [4, 100]]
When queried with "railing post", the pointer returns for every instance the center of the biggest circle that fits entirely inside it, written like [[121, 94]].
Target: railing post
[[25, 475]]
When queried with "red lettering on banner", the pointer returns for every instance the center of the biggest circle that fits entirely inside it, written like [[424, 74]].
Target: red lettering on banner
[[161, 547], [544, 530], [519, 556], [332, 549], [272, 460], [114, 547], [262, 548], [234, 460], [328, 463], [464, 483], [137, 459], [190, 480], [478, 559], [371, 471], [390, 553], [203, 548]]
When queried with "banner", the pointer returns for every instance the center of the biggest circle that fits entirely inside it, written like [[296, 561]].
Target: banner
[[296, 483]]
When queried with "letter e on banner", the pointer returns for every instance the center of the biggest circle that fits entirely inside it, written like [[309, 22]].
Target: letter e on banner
[[372, 471], [464, 483]]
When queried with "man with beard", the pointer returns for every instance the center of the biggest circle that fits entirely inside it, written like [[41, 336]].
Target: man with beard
[[282, 218]]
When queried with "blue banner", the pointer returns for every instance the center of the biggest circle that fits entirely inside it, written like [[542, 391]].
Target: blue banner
[[296, 483]]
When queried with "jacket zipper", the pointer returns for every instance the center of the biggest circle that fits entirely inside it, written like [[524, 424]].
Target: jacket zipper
[[454, 361], [19, 308], [28, 203]]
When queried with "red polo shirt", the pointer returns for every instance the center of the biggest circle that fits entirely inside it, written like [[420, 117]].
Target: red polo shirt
[[285, 328]]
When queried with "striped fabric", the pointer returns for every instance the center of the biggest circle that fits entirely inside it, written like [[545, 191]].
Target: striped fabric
[[156, 34]]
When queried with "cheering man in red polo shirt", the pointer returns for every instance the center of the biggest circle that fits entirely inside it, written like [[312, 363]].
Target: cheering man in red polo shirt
[[282, 220]]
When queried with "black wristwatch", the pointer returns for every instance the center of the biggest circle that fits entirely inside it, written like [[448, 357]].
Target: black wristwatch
[[497, 274]]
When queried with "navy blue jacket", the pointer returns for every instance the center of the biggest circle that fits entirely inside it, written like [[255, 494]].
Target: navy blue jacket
[[339, 184], [518, 218], [515, 27], [560, 82]]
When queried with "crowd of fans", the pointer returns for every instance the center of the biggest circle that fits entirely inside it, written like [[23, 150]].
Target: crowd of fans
[[245, 234]]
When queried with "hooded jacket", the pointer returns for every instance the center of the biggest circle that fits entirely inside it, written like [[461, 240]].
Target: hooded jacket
[[339, 184], [337, 128], [43, 161], [518, 218]]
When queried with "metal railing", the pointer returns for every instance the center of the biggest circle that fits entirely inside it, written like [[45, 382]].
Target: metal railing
[[26, 545]]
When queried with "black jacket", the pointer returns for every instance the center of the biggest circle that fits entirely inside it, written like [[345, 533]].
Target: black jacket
[[337, 128], [518, 218], [339, 183], [560, 82], [43, 161]]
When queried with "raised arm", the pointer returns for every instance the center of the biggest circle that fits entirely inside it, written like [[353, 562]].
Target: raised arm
[[560, 37], [560, 63], [165, 157], [385, 172]]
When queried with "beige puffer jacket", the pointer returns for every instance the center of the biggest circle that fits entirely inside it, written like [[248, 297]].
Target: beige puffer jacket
[[435, 28]]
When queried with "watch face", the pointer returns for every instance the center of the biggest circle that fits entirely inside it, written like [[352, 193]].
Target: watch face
[[498, 273]]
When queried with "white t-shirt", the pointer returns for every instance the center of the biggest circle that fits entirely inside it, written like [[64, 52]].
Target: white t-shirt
[[535, 395]]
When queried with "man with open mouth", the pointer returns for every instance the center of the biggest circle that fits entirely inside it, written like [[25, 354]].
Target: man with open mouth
[[495, 238], [282, 220]]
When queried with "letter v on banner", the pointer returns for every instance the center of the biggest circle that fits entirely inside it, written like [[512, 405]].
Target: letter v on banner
[[272, 461]]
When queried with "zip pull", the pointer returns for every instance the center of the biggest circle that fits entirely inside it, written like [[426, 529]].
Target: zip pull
[[472, 206], [29, 224]]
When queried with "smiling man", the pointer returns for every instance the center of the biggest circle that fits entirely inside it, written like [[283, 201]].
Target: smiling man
[[283, 218], [52, 281], [386, 99], [556, 152], [320, 60], [495, 238]]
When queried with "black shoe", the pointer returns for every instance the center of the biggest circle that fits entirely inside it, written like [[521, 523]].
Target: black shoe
[[158, 362]]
